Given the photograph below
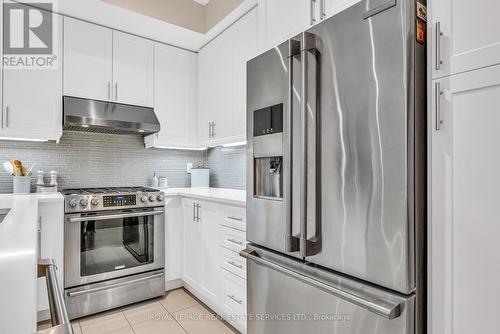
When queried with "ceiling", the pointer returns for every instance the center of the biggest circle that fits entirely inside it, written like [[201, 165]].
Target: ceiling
[[196, 15], [130, 21]]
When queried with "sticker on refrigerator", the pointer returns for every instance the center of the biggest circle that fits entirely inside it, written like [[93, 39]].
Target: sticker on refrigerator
[[421, 12], [420, 31]]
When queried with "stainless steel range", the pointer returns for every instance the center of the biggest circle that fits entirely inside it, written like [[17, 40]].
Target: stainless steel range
[[113, 248]]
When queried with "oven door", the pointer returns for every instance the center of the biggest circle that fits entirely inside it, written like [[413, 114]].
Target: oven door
[[111, 244]]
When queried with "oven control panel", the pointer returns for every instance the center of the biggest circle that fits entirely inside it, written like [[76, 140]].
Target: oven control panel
[[118, 200]]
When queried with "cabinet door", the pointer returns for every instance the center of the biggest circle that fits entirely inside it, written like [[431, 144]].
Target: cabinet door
[[132, 69], [329, 8], [173, 238], [191, 245], [282, 19], [470, 35], [215, 88], [32, 100], [464, 225], [174, 76], [209, 235], [244, 48], [88, 50]]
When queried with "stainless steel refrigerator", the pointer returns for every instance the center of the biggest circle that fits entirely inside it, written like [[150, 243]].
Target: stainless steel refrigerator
[[336, 176]]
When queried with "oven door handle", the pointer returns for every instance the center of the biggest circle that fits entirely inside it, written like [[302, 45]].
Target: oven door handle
[[116, 285], [117, 216]]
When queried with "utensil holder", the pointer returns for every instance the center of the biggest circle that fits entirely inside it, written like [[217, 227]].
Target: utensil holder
[[22, 184]]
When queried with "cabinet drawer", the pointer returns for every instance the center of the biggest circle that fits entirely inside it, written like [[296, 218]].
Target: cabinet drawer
[[232, 239], [233, 296], [234, 217], [233, 262]]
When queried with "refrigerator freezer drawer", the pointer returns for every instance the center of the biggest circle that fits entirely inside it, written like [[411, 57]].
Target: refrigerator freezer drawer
[[286, 296]]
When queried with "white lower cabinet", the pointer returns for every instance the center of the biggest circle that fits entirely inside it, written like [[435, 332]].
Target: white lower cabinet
[[464, 199], [173, 242], [212, 271]]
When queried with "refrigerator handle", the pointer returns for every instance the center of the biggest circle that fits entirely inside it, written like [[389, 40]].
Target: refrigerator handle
[[386, 308], [291, 241], [312, 246]]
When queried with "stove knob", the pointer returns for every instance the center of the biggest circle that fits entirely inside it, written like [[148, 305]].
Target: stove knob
[[94, 201], [152, 198], [144, 198], [72, 203], [160, 197], [84, 202]]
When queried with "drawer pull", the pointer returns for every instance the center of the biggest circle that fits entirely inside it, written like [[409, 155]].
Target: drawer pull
[[234, 264], [239, 301], [235, 218], [236, 242]]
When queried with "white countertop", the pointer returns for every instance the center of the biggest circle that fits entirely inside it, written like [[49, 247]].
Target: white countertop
[[18, 261], [223, 195], [18, 264]]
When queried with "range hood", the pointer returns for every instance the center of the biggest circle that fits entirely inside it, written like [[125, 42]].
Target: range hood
[[108, 117]]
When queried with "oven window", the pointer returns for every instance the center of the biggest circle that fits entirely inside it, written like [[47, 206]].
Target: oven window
[[115, 244]]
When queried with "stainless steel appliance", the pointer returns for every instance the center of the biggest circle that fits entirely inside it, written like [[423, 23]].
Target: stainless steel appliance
[[108, 117], [345, 239], [114, 251]]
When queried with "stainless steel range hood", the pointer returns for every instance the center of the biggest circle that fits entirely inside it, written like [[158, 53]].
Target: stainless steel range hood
[[108, 117]]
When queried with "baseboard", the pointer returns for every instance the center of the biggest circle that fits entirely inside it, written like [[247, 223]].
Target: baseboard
[[43, 315], [174, 284]]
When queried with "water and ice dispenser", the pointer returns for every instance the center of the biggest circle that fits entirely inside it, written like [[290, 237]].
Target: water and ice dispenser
[[268, 152]]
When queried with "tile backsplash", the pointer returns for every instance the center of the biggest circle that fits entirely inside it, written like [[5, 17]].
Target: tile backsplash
[[227, 167], [95, 160]]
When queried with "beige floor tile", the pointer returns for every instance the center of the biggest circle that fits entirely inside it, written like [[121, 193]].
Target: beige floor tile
[[76, 327], [199, 320], [124, 330], [177, 300], [146, 311], [103, 323], [43, 325], [158, 327]]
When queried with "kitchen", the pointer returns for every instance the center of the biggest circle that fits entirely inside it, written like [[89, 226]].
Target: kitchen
[[206, 166]]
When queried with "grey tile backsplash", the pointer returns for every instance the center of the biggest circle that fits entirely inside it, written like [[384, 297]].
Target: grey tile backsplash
[[227, 167], [94, 160]]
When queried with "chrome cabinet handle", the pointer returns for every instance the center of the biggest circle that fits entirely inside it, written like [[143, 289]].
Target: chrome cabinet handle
[[194, 212], [234, 264], [233, 297], [438, 93], [214, 133], [313, 12], [198, 207], [323, 9], [438, 37], [7, 116], [386, 308], [236, 242], [235, 218], [116, 91], [111, 286], [118, 216]]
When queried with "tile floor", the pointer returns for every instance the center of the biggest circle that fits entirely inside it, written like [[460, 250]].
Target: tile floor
[[175, 313]]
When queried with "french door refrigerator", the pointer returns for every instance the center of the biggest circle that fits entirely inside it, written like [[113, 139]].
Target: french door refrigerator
[[336, 176]]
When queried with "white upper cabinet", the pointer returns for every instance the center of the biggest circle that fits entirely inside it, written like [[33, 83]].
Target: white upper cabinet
[[132, 69], [244, 48], [88, 52], [32, 104], [107, 65], [329, 8], [222, 82], [465, 35], [282, 19], [464, 197], [174, 97]]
